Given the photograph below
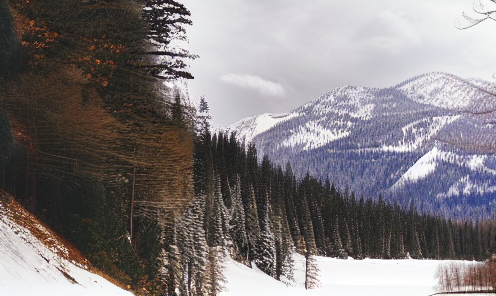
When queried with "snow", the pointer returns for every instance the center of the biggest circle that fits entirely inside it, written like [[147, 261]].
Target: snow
[[440, 90], [339, 277], [313, 135], [417, 133], [250, 127], [421, 169], [28, 267]]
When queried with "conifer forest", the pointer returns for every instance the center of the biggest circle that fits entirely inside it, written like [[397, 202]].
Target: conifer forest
[[94, 144]]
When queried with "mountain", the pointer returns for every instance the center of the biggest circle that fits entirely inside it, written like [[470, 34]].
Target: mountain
[[431, 138], [36, 261]]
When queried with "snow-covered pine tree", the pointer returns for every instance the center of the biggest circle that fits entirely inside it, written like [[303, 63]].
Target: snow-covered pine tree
[[413, 236], [266, 247], [219, 228], [237, 220], [348, 246], [214, 272], [288, 197], [336, 247], [252, 224], [193, 245], [287, 250], [312, 272], [166, 21], [175, 281]]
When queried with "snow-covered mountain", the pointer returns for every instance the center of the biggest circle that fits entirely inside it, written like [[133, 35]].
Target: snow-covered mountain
[[35, 261], [431, 138]]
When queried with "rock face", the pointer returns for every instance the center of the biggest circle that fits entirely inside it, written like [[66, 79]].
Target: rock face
[[431, 138]]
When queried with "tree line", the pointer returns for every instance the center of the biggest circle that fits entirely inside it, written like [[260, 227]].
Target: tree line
[[259, 213]]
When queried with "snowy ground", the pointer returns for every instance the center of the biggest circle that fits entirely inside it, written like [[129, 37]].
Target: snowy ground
[[29, 266], [369, 277]]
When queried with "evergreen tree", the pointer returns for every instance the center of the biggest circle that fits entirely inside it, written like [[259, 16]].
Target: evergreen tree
[[312, 272], [266, 247], [219, 227], [214, 276], [237, 221], [192, 245], [413, 236], [166, 24], [252, 225], [336, 248]]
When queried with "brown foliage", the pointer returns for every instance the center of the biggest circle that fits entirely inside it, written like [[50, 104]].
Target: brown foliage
[[81, 114]]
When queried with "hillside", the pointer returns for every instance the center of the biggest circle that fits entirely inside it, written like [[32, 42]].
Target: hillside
[[36, 261], [431, 137]]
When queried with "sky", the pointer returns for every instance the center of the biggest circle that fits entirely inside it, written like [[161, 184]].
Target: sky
[[259, 56]]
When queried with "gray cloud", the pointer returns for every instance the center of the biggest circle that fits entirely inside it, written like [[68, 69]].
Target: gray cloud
[[311, 47]]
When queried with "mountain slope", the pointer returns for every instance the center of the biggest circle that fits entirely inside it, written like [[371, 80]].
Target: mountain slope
[[432, 137], [35, 261]]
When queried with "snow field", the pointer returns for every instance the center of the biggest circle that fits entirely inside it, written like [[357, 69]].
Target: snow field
[[368, 277]]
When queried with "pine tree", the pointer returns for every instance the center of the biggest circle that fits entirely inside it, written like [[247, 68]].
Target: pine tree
[[175, 281], [348, 246], [289, 188], [312, 272], [287, 251], [336, 246], [193, 245], [166, 21], [266, 247], [237, 221], [413, 237], [219, 227], [252, 225], [214, 271]]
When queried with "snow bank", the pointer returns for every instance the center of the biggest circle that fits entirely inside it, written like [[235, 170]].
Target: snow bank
[[29, 266]]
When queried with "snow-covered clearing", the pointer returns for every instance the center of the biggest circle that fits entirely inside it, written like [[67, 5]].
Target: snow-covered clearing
[[369, 277], [41, 265]]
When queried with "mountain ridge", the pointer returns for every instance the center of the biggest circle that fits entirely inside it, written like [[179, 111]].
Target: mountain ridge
[[367, 139]]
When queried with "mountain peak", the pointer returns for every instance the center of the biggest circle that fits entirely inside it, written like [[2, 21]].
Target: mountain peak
[[370, 139]]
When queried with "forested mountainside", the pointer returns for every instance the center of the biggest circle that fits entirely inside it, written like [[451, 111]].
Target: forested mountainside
[[430, 138], [317, 217], [91, 142]]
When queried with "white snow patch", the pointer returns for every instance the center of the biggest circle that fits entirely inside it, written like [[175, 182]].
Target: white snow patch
[[421, 169], [313, 135], [249, 128], [28, 267], [441, 90], [339, 277], [417, 133]]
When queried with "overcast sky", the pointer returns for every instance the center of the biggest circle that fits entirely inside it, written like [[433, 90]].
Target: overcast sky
[[260, 56]]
